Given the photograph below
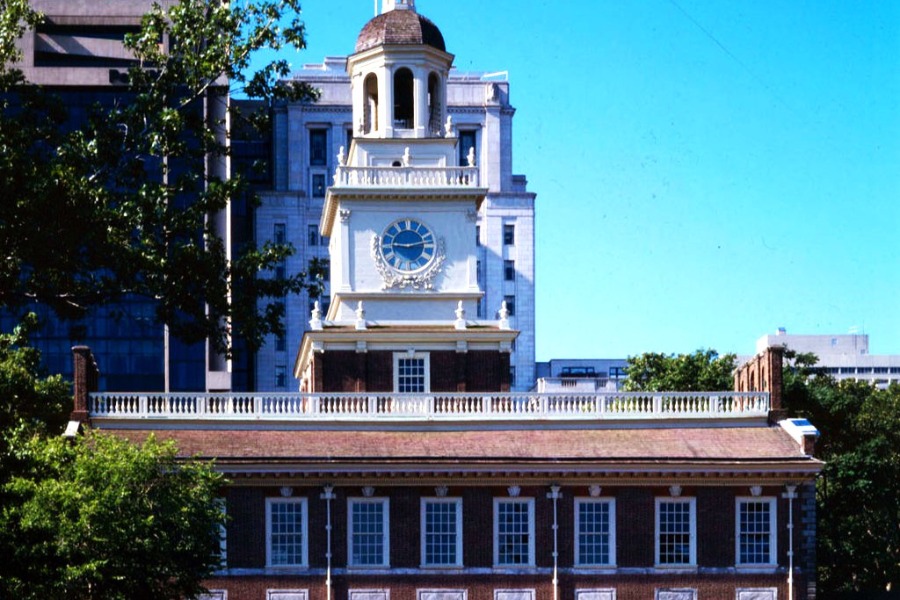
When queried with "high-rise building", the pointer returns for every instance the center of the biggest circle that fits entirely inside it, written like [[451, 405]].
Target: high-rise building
[[309, 137], [842, 356], [77, 53]]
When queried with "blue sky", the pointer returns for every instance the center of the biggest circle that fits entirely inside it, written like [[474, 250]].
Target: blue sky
[[706, 171]]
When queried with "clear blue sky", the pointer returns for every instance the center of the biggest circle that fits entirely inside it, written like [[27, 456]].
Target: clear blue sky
[[706, 171]]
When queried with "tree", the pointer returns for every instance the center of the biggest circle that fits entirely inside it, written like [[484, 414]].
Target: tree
[[704, 370], [102, 518], [97, 516], [124, 204], [859, 516]]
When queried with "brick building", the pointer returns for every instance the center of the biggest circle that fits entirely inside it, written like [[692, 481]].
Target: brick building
[[407, 468]]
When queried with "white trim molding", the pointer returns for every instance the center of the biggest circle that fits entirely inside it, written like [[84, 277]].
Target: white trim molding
[[610, 503], [458, 531], [772, 532], [529, 516]]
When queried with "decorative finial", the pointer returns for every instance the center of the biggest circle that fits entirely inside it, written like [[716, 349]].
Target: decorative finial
[[360, 316], [315, 321], [504, 316], [460, 316]]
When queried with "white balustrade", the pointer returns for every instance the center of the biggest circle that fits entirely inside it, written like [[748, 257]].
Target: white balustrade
[[406, 177], [374, 406]]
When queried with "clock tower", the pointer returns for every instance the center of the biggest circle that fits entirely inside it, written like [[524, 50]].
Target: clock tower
[[401, 218]]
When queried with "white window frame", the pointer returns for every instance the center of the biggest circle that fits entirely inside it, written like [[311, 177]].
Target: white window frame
[[386, 529], [457, 502], [304, 563], [773, 531], [415, 355], [529, 502], [692, 558], [222, 506], [611, 503]]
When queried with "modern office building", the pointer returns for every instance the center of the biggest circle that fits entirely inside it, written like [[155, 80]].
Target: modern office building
[[475, 109], [78, 54], [581, 374], [843, 356], [406, 468]]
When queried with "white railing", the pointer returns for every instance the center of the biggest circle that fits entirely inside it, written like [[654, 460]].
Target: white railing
[[452, 177], [429, 407]]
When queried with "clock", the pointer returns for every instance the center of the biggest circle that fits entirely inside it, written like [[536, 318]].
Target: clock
[[408, 245]]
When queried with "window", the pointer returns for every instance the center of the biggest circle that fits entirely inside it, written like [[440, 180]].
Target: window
[[280, 343], [312, 235], [442, 532], [617, 372], [510, 305], [222, 506], [675, 532], [509, 270], [318, 185], [404, 102], [595, 532], [479, 272], [318, 147], [278, 234], [411, 373], [368, 532], [478, 235], [280, 376], [514, 532], [466, 142], [286, 532], [755, 535], [512, 375], [509, 234], [280, 270]]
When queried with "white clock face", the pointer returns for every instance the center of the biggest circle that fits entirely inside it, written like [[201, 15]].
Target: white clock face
[[408, 245]]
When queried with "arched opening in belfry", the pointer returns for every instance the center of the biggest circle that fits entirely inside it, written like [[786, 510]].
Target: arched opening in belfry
[[404, 102], [435, 104], [370, 104]]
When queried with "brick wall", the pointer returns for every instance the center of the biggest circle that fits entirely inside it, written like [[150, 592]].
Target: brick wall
[[350, 371]]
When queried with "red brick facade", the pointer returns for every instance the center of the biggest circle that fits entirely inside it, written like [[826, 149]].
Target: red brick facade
[[373, 371], [634, 575]]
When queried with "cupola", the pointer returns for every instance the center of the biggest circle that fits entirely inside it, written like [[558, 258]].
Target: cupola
[[399, 75]]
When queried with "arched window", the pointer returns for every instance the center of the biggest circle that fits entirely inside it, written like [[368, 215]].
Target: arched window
[[370, 105], [404, 103], [435, 103]]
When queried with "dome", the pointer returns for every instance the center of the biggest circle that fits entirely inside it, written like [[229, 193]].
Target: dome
[[399, 27]]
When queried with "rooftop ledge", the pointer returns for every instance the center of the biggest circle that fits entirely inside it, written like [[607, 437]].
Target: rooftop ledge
[[434, 407]]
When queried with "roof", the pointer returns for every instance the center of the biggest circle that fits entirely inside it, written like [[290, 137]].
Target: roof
[[399, 27], [731, 448]]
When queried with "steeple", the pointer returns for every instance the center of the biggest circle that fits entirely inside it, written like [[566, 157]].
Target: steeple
[[389, 5]]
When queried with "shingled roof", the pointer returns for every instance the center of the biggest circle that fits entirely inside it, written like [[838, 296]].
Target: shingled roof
[[399, 27]]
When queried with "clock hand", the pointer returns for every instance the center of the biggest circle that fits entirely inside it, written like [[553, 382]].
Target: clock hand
[[410, 245]]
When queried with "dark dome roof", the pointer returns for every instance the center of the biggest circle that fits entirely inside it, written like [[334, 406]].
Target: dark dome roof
[[399, 27]]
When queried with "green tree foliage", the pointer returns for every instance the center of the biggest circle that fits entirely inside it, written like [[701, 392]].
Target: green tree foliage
[[704, 370], [859, 515], [124, 204], [97, 516], [102, 518]]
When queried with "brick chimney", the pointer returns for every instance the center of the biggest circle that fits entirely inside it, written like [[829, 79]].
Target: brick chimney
[[763, 373], [86, 375]]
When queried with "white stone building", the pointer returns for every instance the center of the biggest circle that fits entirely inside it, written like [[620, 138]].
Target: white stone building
[[308, 137], [843, 356]]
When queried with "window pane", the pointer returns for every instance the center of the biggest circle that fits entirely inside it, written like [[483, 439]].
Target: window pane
[[286, 533], [593, 533], [674, 533], [755, 532], [367, 533], [318, 147], [513, 533], [509, 235], [441, 533], [411, 375]]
